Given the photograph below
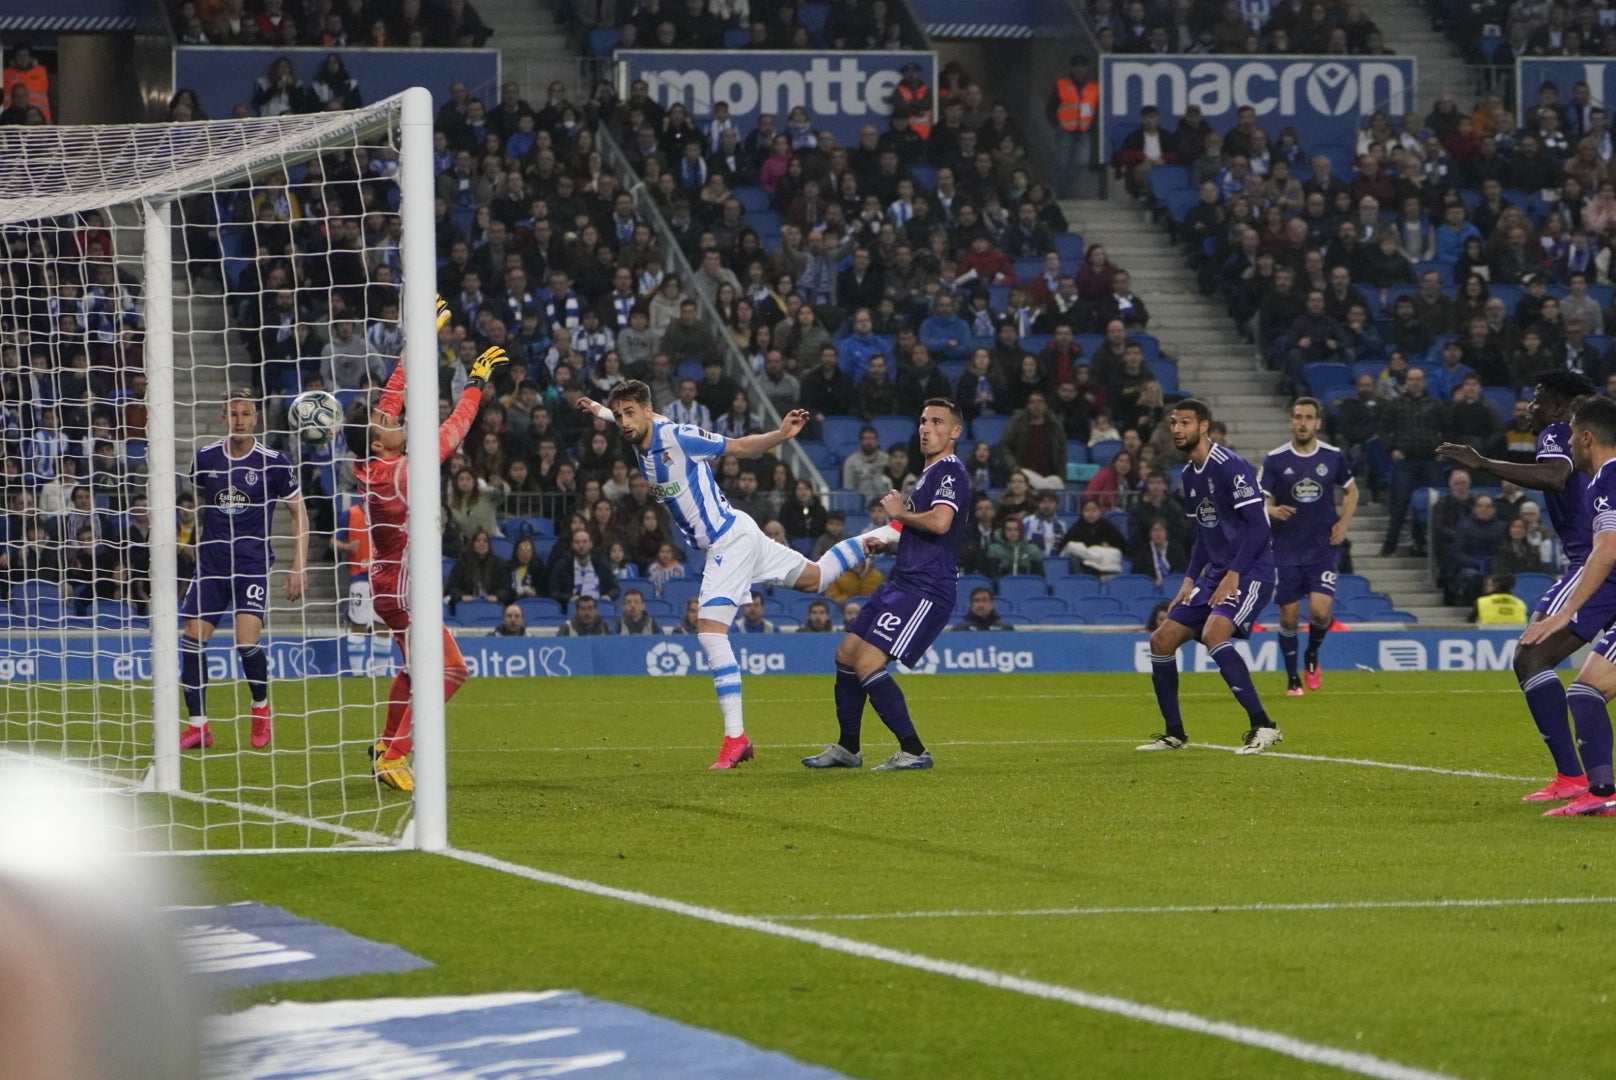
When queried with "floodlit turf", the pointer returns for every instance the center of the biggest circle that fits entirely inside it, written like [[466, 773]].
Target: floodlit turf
[[1038, 802]]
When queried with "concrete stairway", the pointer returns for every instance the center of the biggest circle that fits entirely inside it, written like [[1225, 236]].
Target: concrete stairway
[[1407, 31], [533, 49], [1215, 365]]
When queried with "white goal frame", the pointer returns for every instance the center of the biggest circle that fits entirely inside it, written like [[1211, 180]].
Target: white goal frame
[[50, 172]]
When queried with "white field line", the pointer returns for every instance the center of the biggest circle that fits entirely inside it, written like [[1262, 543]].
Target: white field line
[[787, 746], [914, 686], [1207, 909], [1368, 764], [1351, 1061]]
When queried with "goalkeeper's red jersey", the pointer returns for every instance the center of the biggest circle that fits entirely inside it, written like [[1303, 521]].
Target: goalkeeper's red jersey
[[385, 483]]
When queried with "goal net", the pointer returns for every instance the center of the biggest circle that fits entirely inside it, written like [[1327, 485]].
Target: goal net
[[149, 274]]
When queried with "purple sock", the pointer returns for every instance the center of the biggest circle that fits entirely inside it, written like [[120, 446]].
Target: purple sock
[[893, 710], [1593, 733], [849, 707], [1315, 638], [1287, 649], [194, 675], [1546, 699], [1164, 680], [1232, 666]]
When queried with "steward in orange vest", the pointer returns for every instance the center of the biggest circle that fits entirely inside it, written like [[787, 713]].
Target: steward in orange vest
[[1074, 101], [912, 98], [32, 74]]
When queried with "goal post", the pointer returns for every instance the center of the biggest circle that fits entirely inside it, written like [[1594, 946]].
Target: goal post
[[145, 272]]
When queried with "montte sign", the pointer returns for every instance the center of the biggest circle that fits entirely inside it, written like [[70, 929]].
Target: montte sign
[[842, 91], [1327, 98]]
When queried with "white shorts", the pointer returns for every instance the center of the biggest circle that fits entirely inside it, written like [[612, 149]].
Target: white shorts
[[742, 557], [361, 609]]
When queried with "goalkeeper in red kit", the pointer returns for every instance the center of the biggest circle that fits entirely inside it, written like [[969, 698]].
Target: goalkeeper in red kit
[[383, 480]]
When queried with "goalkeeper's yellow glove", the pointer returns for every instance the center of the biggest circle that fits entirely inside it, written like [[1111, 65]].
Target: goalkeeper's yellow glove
[[484, 365], [444, 314]]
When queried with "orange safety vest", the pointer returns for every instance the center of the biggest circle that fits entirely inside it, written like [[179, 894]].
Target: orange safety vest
[[36, 78], [918, 123], [1077, 104], [358, 530]]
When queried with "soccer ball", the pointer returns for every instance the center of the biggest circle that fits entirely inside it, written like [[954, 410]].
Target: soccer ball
[[315, 416]]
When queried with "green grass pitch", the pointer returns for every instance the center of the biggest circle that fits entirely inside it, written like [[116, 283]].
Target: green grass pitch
[[1038, 802]]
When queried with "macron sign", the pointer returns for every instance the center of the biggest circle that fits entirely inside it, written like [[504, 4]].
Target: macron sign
[[842, 91], [1326, 98]]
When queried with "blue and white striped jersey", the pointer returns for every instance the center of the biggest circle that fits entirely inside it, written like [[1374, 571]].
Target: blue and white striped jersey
[[676, 467]]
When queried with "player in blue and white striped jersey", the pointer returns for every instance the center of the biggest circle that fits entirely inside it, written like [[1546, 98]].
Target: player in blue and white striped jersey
[[674, 460]]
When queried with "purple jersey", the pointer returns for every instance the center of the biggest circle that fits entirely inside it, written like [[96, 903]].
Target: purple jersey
[[928, 563], [1602, 504], [1220, 496], [1306, 482], [235, 502], [1568, 507]]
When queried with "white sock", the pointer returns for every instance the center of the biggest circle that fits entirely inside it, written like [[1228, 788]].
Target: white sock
[[842, 557], [726, 680], [199, 721], [358, 653]]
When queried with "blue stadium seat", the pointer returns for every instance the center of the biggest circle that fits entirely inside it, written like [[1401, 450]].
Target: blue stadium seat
[[840, 430], [1531, 587], [608, 608], [1327, 381], [1091, 606], [1102, 452], [1350, 586], [989, 429], [751, 198], [1119, 518], [1039, 608], [822, 456], [540, 528], [1077, 588], [893, 429], [1179, 203], [925, 175], [968, 582], [1166, 372], [681, 590], [1443, 271], [501, 546], [1129, 587], [1167, 179], [736, 37], [804, 544], [479, 613], [602, 40], [1018, 587], [1077, 452], [1027, 268], [540, 608], [1069, 245]]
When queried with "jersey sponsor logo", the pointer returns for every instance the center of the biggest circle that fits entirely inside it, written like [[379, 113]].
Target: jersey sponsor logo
[[667, 491], [945, 488], [231, 500], [1549, 441], [1307, 490], [1207, 514], [1601, 504], [1242, 487]]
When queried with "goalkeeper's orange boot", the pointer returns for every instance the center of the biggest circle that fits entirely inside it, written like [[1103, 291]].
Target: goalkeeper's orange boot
[[1586, 805], [262, 729], [734, 751], [395, 773], [1561, 787], [195, 736]]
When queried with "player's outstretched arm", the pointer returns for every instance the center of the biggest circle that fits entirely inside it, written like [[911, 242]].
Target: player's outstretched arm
[[453, 430], [1601, 561], [297, 577], [392, 400], [754, 445], [1549, 474]]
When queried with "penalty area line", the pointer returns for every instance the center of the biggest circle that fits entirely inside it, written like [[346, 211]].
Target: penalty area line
[[1208, 909], [1351, 1061], [1367, 763]]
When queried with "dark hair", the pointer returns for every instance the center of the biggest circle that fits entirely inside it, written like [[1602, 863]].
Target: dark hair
[[1192, 405], [1568, 386], [1318, 410], [629, 390], [1598, 415], [981, 589], [1504, 582], [946, 403], [634, 592]]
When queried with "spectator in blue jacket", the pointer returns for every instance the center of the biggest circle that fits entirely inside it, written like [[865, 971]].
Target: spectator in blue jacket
[[1453, 234], [946, 335], [853, 353]]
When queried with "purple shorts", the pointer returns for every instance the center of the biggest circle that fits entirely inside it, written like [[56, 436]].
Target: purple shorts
[[901, 624], [1241, 609], [1297, 583], [212, 596], [1593, 617]]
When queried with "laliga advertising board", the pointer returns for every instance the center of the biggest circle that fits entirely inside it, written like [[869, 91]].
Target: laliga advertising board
[[842, 91], [1326, 98]]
